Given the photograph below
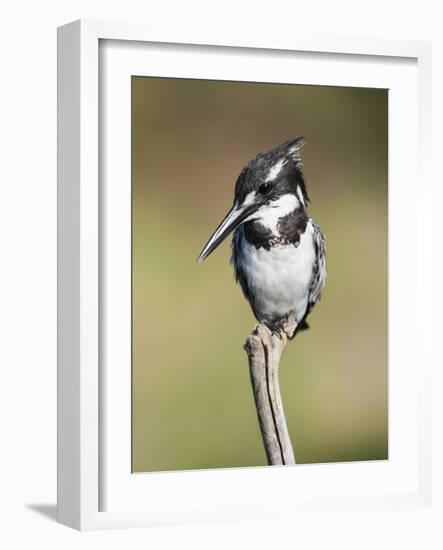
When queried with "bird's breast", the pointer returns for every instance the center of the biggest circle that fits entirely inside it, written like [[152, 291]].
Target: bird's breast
[[278, 271]]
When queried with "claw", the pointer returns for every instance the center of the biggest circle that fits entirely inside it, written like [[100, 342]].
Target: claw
[[279, 332], [284, 328]]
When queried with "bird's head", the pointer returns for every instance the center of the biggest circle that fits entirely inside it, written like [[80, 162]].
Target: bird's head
[[269, 185]]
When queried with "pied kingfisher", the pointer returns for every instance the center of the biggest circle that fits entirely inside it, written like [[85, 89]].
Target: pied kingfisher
[[278, 251]]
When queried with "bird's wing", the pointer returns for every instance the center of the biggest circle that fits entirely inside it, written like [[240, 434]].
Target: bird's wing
[[240, 275], [319, 271]]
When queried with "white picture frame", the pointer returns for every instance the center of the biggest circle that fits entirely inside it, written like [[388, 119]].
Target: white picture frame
[[96, 489]]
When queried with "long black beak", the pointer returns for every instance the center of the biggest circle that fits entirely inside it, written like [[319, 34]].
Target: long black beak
[[233, 219]]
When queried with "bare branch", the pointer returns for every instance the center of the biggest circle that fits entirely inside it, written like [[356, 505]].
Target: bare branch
[[264, 350]]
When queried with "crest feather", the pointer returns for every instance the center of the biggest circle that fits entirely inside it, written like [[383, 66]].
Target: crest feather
[[294, 147]]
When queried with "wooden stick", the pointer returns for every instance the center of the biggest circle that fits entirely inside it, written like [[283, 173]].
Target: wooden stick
[[264, 350]]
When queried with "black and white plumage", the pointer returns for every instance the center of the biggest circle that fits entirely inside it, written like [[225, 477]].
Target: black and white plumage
[[278, 251]]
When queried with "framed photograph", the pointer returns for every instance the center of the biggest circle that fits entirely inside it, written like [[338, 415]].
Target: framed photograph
[[215, 196]]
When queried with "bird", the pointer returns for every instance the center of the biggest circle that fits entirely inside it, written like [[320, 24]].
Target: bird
[[278, 250]]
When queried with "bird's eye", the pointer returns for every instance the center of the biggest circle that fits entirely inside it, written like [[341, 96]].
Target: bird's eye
[[264, 188]]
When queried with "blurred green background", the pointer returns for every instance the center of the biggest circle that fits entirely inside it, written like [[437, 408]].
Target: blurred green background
[[192, 401]]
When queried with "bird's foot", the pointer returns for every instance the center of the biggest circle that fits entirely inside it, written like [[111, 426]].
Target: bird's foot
[[290, 326], [284, 329], [279, 332], [268, 341], [269, 338]]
